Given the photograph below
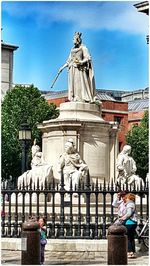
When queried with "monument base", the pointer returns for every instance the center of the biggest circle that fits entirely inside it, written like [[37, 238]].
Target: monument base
[[80, 111], [94, 138]]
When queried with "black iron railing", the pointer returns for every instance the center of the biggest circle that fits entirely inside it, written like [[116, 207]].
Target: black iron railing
[[85, 212]]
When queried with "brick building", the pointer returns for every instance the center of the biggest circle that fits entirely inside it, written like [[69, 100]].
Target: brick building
[[117, 111], [135, 95], [138, 103]]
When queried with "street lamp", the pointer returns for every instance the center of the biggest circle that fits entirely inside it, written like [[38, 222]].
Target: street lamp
[[24, 137]]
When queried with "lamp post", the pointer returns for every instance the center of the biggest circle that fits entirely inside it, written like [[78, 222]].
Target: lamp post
[[24, 137]]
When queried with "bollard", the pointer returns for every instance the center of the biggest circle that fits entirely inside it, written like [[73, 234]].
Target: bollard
[[30, 243], [117, 245]]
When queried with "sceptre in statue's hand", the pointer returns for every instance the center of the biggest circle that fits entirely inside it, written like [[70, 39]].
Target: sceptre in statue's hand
[[59, 71]]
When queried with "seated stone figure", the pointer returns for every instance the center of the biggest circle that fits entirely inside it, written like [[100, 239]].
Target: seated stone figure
[[73, 166], [40, 170], [37, 155], [126, 168]]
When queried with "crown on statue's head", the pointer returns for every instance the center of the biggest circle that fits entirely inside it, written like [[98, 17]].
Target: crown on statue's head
[[78, 34]]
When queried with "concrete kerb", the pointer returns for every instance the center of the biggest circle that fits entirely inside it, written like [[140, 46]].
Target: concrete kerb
[[60, 251], [61, 245], [71, 252]]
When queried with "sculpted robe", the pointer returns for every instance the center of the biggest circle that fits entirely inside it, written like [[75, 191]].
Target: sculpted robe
[[81, 77], [73, 168]]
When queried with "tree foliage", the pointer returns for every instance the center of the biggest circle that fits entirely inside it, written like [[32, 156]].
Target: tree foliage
[[21, 105], [137, 138]]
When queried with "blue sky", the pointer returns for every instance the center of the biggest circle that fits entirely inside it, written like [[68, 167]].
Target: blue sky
[[113, 31]]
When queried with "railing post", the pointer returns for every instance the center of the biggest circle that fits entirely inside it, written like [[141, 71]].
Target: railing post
[[104, 211], [71, 214], [3, 214], [9, 214], [96, 210], [16, 217], [87, 193], [62, 192], [78, 228]]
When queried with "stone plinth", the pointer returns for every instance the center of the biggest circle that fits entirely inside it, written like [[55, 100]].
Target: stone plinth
[[80, 111], [94, 138]]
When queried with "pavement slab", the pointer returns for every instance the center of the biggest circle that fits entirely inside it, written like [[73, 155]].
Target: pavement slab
[[11, 257]]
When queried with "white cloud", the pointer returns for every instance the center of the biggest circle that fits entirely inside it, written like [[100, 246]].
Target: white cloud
[[117, 15]]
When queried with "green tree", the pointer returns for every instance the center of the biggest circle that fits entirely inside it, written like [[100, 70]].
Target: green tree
[[21, 104], [137, 138]]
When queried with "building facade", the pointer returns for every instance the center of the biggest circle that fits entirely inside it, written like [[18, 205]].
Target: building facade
[[136, 95], [7, 54], [136, 110], [143, 7]]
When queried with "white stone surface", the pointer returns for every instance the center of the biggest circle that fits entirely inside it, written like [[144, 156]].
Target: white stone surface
[[126, 167], [94, 138], [60, 244], [81, 111], [72, 165], [81, 81]]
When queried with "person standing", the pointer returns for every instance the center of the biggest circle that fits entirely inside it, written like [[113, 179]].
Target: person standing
[[119, 202], [43, 240], [129, 220]]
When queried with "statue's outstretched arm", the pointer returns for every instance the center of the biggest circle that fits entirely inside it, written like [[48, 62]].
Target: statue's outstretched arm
[[62, 68]]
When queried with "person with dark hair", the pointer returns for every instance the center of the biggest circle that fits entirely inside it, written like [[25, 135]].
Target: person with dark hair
[[43, 240]]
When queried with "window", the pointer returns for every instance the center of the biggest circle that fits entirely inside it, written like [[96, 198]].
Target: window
[[118, 119]]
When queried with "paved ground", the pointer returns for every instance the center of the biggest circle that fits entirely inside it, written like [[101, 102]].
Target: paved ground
[[69, 252], [9, 257]]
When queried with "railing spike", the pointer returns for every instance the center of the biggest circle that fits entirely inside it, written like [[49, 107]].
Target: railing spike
[[96, 186], [70, 183], [112, 184]]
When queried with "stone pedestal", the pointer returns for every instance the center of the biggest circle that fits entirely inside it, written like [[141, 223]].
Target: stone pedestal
[[95, 139]]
